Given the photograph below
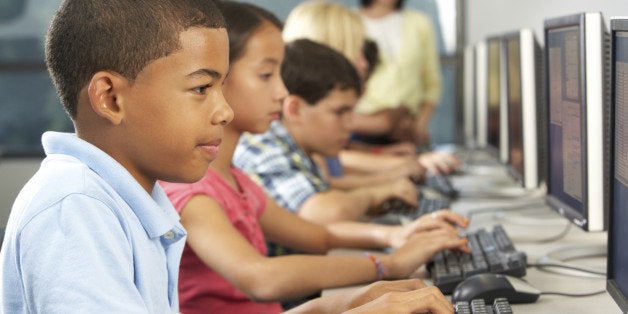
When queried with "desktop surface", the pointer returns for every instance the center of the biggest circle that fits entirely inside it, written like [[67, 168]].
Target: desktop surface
[[532, 225]]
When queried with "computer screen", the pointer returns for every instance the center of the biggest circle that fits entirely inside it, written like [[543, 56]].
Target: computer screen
[[578, 156], [617, 273], [523, 68], [495, 122]]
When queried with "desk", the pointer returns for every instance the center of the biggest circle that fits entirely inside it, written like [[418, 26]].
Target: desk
[[528, 227]]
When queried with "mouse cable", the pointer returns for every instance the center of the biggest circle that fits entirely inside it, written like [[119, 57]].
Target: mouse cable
[[537, 221], [515, 206], [584, 270], [573, 294]]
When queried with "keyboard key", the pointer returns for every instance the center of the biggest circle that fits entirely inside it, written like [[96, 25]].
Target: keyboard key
[[462, 307], [478, 306]]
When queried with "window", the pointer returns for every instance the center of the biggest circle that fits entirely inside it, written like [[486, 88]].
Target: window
[[29, 104]]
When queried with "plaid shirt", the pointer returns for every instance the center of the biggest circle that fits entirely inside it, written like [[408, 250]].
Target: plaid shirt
[[275, 161]]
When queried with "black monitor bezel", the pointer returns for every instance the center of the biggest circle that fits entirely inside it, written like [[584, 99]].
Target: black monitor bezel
[[617, 25], [578, 218]]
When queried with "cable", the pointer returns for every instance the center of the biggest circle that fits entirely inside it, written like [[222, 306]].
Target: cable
[[504, 208], [557, 237], [538, 221], [581, 269], [557, 259], [502, 190], [573, 294]]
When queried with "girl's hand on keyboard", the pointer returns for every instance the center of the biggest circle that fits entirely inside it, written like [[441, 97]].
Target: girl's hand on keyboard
[[398, 296], [446, 216], [424, 300], [439, 162], [420, 248], [400, 235]]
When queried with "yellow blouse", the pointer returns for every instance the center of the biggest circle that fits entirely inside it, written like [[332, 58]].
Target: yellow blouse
[[413, 77]]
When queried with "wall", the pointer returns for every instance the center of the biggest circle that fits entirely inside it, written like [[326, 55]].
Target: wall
[[490, 17], [13, 175]]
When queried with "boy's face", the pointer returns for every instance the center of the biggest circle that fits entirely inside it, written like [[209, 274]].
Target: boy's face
[[326, 126], [254, 87], [175, 110]]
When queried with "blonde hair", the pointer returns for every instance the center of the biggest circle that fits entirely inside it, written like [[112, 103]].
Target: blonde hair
[[331, 24]]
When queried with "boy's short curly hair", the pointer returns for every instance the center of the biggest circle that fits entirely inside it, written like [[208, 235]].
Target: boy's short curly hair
[[122, 36]]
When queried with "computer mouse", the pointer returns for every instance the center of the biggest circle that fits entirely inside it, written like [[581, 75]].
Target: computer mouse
[[489, 286]]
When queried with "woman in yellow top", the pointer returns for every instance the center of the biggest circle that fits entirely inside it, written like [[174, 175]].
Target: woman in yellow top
[[408, 75]]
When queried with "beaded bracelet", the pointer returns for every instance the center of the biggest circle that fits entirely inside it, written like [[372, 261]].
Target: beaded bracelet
[[377, 149], [378, 264]]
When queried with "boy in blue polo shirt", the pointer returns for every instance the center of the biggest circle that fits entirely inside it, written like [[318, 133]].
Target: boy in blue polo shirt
[[91, 232]]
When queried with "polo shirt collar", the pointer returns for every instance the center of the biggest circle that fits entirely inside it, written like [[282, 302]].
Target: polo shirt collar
[[155, 212]]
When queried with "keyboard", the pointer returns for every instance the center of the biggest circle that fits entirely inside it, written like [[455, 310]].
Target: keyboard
[[491, 251], [441, 184], [426, 206], [477, 306]]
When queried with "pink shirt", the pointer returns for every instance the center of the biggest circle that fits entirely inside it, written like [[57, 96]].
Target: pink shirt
[[201, 290]]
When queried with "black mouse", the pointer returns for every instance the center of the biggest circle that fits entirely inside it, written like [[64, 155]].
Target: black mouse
[[489, 286]]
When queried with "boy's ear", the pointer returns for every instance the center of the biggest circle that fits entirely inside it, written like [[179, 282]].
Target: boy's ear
[[291, 108], [102, 92]]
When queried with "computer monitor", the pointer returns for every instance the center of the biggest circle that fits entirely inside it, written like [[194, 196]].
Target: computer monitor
[[578, 146], [524, 107], [496, 115], [617, 265], [481, 94], [468, 81]]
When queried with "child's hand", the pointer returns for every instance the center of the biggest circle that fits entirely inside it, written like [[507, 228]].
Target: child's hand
[[411, 169], [444, 215], [424, 300], [439, 162], [420, 248], [401, 234], [399, 296], [439, 219], [402, 188]]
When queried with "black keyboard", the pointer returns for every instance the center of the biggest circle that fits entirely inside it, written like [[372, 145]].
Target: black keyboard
[[426, 206], [491, 251], [477, 306], [441, 184]]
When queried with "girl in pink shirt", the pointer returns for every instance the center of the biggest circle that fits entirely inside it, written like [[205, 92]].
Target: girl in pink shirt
[[224, 268]]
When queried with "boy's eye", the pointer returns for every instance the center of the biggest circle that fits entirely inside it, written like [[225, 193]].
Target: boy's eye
[[266, 76], [201, 89]]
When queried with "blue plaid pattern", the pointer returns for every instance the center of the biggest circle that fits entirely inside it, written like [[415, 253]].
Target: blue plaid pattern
[[275, 162]]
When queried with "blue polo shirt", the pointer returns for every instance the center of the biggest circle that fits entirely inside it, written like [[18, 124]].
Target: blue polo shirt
[[84, 237]]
